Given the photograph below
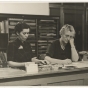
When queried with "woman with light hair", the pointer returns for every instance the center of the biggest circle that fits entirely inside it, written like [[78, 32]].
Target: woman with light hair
[[63, 50]]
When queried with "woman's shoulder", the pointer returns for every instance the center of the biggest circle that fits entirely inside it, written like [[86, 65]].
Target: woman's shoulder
[[56, 41], [13, 43]]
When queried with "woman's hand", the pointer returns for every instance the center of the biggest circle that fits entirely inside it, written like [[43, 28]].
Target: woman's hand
[[71, 41], [67, 61], [42, 62]]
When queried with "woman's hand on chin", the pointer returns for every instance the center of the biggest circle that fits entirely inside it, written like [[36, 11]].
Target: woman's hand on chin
[[71, 41]]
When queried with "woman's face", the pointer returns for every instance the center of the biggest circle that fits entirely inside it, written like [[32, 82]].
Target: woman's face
[[23, 35], [67, 36]]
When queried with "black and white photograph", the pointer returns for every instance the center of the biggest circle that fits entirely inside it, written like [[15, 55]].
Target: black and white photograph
[[43, 43]]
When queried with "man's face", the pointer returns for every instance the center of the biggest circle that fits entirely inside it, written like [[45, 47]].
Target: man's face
[[23, 35], [67, 36]]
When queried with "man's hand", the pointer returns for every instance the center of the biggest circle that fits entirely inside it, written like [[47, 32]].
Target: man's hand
[[67, 61]]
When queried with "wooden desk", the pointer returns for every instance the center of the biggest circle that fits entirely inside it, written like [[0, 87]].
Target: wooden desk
[[49, 78]]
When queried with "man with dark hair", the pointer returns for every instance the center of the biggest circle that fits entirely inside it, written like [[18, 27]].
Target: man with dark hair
[[19, 51]]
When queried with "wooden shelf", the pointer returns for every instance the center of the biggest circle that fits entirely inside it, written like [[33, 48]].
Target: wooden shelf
[[43, 29]]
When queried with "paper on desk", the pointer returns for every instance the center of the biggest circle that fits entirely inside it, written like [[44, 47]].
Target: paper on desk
[[78, 64], [31, 68], [7, 72]]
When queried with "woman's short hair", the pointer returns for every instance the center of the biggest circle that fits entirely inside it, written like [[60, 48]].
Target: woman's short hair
[[20, 26], [66, 28]]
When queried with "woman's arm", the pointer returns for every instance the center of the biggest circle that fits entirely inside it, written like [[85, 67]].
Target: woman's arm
[[53, 60], [74, 53], [37, 61], [34, 60], [16, 64], [21, 64]]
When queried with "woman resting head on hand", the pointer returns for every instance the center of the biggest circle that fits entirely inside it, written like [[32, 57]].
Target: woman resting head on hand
[[63, 50]]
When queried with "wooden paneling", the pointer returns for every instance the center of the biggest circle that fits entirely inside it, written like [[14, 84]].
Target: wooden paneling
[[68, 83], [86, 33], [54, 12], [85, 81], [74, 14], [42, 28], [74, 4], [48, 78], [76, 18]]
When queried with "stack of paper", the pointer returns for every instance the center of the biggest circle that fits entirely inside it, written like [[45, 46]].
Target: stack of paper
[[78, 64]]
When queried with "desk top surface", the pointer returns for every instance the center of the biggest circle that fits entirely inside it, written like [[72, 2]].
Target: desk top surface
[[13, 73]]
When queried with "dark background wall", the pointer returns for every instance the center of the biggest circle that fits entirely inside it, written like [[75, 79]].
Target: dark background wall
[[75, 14]]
